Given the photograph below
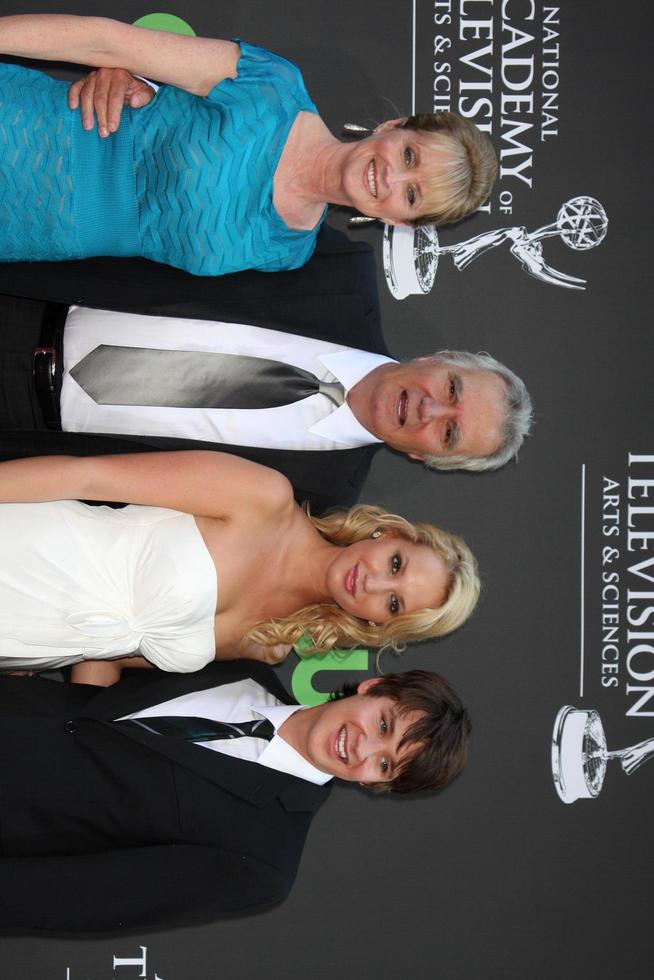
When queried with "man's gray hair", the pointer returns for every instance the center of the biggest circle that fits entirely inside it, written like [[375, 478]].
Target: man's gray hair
[[516, 422]]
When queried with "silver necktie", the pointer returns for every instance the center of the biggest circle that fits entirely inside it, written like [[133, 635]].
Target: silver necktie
[[195, 379]]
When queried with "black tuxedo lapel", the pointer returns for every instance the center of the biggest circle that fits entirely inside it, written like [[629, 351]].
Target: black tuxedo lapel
[[337, 318], [256, 784], [339, 267], [248, 780]]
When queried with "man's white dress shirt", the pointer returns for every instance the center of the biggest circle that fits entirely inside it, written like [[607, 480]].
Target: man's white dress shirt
[[311, 423], [242, 701]]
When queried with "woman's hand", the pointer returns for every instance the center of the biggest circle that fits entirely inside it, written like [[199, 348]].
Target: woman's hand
[[102, 95], [269, 655]]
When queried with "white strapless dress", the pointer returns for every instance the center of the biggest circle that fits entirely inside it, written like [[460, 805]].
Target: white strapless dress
[[80, 582]]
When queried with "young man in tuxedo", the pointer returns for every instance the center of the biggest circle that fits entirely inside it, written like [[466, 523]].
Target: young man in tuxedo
[[173, 799]]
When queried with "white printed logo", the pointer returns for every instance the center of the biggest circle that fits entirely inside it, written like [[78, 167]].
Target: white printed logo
[[580, 756], [411, 254]]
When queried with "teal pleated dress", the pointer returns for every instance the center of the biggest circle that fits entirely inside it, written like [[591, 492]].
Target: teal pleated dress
[[186, 181]]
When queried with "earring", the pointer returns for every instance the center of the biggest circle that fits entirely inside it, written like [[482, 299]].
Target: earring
[[359, 132], [373, 626], [376, 534]]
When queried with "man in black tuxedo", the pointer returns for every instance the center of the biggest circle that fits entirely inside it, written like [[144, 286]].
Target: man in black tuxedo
[[452, 412], [131, 806]]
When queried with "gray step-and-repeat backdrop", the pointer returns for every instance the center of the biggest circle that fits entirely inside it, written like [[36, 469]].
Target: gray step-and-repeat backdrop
[[537, 862]]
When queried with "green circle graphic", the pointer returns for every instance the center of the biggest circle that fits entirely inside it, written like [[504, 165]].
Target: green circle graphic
[[165, 22]]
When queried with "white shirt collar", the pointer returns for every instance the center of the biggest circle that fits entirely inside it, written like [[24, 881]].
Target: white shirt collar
[[348, 367], [278, 754]]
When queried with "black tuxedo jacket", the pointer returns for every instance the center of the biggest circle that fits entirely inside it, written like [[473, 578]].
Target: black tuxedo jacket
[[193, 834], [334, 298]]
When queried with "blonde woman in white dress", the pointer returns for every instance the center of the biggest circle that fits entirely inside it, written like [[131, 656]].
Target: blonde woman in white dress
[[213, 558]]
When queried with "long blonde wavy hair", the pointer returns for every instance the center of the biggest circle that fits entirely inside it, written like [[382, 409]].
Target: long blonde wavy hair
[[328, 626]]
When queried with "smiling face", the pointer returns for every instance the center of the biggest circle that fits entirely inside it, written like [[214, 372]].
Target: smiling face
[[378, 579], [386, 175], [423, 407], [356, 738]]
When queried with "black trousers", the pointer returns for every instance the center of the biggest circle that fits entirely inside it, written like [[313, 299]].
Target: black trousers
[[20, 333]]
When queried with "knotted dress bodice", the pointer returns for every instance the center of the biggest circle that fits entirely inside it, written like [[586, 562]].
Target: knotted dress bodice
[[81, 582]]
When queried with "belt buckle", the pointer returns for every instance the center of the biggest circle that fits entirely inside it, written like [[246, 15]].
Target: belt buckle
[[48, 368]]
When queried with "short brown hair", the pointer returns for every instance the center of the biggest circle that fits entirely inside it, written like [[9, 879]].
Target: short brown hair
[[467, 184], [441, 734]]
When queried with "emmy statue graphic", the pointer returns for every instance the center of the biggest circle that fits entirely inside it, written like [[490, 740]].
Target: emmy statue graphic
[[579, 754], [411, 254]]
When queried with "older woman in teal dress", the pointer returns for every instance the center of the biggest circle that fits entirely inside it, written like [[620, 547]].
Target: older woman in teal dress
[[230, 167]]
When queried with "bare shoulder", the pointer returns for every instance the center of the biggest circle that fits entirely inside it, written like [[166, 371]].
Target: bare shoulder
[[278, 490], [244, 485]]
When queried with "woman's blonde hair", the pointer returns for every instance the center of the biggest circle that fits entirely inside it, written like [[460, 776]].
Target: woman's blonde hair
[[457, 191], [328, 626]]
